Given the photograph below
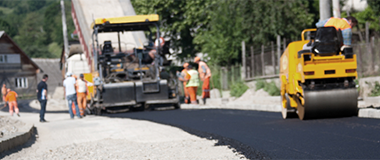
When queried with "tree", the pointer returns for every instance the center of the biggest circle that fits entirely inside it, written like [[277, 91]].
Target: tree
[[32, 37], [222, 39], [180, 20], [5, 26], [255, 21]]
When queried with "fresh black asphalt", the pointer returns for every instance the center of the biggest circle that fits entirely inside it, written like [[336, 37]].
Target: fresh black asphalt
[[265, 135]]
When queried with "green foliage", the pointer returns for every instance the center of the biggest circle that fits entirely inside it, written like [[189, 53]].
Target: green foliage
[[179, 20], [237, 89], [55, 49], [270, 87], [375, 90], [368, 15], [375, 6], [260, 84], [36, 26]]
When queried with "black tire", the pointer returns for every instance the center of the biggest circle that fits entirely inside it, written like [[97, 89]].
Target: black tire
[[139, 107], [97, 111], [177, 106]]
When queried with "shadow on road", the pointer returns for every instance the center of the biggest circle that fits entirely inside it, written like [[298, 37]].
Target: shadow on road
[[24, 106]]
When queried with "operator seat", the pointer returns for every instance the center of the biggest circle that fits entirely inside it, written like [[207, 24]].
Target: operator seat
[[107, 47], [327, 41]]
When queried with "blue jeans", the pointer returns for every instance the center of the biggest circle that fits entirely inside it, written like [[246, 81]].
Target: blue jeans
[[43, 109], [73, 99]]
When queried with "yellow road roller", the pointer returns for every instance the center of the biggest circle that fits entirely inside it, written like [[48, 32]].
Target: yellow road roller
[[317, 76]]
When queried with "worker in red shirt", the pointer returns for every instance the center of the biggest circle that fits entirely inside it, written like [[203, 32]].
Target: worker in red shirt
[[11, 98], [205, 75]]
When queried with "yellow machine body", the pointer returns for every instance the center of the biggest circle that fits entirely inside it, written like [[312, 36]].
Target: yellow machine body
[[295, 71]]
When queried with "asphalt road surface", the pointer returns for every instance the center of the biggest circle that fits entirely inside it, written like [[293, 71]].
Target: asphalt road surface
[[265, 135]]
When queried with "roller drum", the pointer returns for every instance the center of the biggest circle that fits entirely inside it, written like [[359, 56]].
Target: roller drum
[[329, 103]]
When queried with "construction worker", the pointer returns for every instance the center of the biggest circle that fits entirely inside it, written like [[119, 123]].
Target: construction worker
[[69, 87], [192, 84], [42, 89], [205, 75], [4, 91], [11, 98], [82, 92], [181, 76], [160, 42], [344, 24]]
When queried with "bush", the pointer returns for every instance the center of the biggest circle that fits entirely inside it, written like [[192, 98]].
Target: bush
[[376, 90], [237, 89], [260, 84], [270, 87]]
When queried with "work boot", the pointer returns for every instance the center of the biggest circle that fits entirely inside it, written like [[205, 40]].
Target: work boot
[[18, 114], [204, 101]]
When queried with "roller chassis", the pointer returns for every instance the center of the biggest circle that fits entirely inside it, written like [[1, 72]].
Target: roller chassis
[[315, 85]]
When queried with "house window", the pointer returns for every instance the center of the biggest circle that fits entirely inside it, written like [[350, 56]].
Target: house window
[[21, 82], [3, 58]]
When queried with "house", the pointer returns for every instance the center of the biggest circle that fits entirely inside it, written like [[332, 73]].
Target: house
[[17, 70], [50, 66]]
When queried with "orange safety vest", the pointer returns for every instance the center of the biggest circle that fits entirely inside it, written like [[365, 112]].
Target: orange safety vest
[[11, 96], [338, 23]]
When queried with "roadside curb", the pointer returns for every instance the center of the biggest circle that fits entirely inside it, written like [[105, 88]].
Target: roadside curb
[[369, 113], [16, 139]]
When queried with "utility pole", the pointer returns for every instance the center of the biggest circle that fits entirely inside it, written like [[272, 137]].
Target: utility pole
[[336, 8], [324, 9], [64, 29]]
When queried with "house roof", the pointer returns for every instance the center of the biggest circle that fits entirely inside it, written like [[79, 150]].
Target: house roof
[[20, 51]]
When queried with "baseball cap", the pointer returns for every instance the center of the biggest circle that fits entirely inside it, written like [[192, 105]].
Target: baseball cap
[[68, 74]]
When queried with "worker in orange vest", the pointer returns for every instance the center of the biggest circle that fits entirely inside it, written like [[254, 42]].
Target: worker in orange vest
[[344, 24], [192, 79], [82, 91], [11, 98], [205, 75], [181, 76]]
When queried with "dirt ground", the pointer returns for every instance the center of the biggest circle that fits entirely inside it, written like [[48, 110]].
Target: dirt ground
[[9, 125]]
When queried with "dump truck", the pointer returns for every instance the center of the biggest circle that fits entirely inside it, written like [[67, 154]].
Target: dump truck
[[128, 75], [317, 76]]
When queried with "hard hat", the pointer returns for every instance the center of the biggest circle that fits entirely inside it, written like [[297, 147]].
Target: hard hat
[[185, 65], [68, 74], [197, 59]]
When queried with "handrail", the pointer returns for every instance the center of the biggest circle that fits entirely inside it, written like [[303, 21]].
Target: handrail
[[307, 30]]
